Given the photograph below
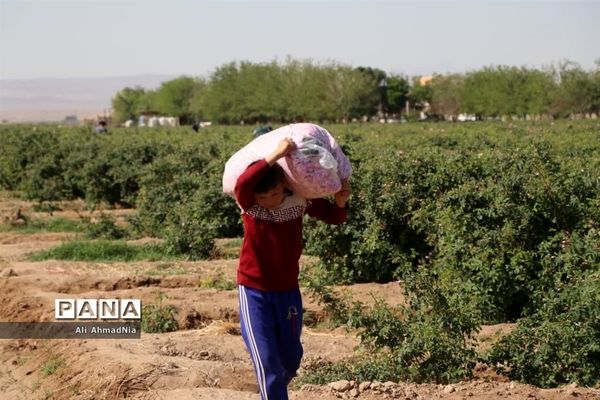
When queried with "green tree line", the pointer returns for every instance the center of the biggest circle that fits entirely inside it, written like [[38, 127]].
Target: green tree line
[[304, 90]]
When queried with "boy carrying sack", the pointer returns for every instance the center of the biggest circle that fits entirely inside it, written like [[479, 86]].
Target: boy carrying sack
[[269, 294]]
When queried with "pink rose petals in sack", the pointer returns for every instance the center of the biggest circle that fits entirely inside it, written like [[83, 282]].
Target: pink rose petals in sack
[[317, 166], [314, 169]]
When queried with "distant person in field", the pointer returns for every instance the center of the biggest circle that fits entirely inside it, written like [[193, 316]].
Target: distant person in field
[[101, 128], [261, 130], [269, 294]]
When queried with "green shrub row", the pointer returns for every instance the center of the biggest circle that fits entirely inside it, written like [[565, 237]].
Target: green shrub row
[[560, 343], [172, 177], [484, 222], [487, 211]]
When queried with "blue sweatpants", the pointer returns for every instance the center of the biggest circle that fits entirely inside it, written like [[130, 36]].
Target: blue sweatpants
[[271, 323]]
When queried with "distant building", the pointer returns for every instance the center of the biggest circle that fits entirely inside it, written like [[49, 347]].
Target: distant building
[[71, 120], [424, 80]]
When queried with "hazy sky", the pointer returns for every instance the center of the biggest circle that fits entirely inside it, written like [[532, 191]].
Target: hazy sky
[[87, 38]]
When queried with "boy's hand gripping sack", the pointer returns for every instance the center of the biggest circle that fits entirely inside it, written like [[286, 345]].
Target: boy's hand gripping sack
[[314, 169]]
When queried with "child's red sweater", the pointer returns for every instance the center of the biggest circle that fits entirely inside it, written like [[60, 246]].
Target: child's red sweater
[[273, 239]]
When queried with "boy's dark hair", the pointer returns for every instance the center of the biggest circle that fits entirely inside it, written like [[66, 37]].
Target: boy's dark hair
[[272, 178]]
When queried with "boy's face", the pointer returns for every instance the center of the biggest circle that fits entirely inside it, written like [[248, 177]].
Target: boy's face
[[272, 198]]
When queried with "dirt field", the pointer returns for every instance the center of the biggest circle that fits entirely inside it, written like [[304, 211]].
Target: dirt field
[[205, 359]]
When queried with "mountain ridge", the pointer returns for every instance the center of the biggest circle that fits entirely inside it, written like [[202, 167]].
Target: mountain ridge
[[52, 99]]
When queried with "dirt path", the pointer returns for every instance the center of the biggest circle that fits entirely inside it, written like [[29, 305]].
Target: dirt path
[[205, 359]]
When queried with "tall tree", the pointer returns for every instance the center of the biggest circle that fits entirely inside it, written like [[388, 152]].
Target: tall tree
[[222, 100], [174, 98], [350, 93], [595, 91], [447, 94], [505, 90], [398, 90], [575, 92], [127, 103], [378, 96]]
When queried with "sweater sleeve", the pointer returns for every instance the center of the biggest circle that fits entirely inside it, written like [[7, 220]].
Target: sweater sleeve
[[244, 187], [325, 211]]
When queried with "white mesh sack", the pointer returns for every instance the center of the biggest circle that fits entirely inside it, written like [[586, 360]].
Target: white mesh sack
[[314, 169]]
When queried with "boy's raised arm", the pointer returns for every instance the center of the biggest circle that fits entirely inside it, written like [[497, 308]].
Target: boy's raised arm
[[336, 213], [244, 187], [342, 196], [327, 212], [283, 148]]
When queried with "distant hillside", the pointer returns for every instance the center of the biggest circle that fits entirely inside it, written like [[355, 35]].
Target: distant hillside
[[51, 99]]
